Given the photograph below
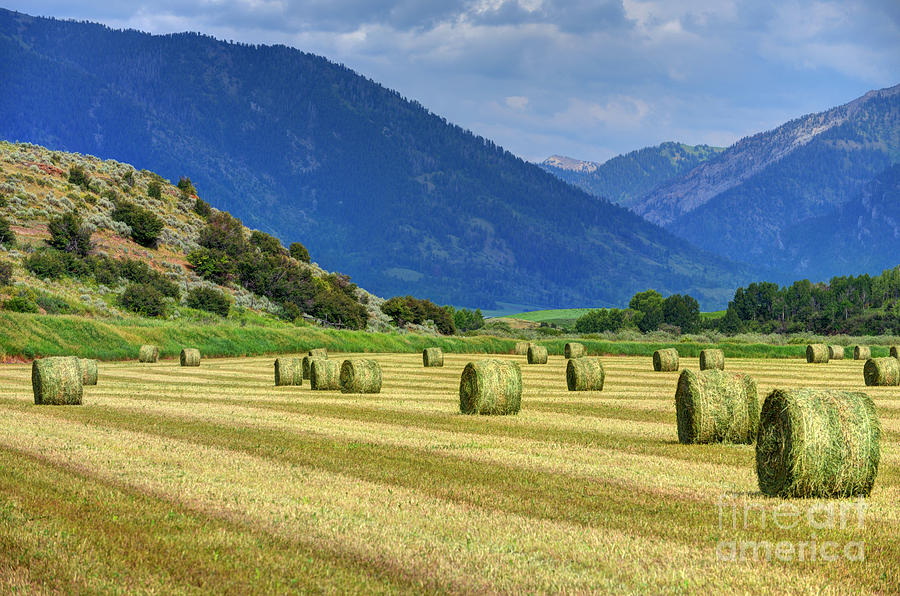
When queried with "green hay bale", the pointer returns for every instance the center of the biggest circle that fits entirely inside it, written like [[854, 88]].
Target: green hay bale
[[190, 357], [360, 376], [861, 353], [432, 357], [575, 350], [835, 352], [816, 353], [895, 352], [817, 443], [665, 360], [306, 363], [57, 381], [490, 386], [521, 348], [710, 359], [88, 371], [882, 371], [712, 406], [288, 371], [148, 353], [325, 375], [318, 353], [585, 374], [537, 354]]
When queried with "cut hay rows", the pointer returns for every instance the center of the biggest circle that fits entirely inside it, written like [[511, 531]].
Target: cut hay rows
[[862, 353], [288, 371], [324, 375], [574, 350], [712, 358], [665, 360], [713, 406], [213, 480], [584, 374], [537, 354], [817, 353], [432, 357]]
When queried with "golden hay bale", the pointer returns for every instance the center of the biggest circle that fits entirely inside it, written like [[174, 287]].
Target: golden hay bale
[[862, 353], [521, 348], [490, 386], [816, 353], [190, 357], [835, 352], [432, 357], [537, 354], [88, 371], [148, 353], [713, 406], [288, 371], [818, 443], [665, 360], [324, 375], [585, 374], [360, 376], [57, 381], [575, 350], [318, 353], [712, 358], [882, 371]]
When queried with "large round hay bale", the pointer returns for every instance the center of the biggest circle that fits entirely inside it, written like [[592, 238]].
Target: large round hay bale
[[835, 352], [325, 375], [318, 353], [665, 360], [882, 371], [432, 357], [895, 352], [817, 443], [360, 376], [575, 350], [490, 386], [88, 371], [713, 406], [862, 353], [306, 363], [537, 354], [816, 353], [190, 357], [57, 381], [148, 353], [288, 371], [585, 374], [712, 358], [521, 348]]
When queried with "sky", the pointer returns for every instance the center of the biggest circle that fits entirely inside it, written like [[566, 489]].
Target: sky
[[589, 79]]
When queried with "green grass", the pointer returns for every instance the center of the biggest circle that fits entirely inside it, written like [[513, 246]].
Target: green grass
[[712, 315]]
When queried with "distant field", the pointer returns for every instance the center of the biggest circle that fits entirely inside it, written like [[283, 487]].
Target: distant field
[[173, 480], [568, 316]]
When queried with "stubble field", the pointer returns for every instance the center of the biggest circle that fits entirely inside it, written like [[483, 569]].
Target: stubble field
[[211, 479]]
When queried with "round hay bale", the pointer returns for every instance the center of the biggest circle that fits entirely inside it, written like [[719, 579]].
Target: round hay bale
[[521, 348], [325, 375], [882, 371], [88, 371], [835, 352], [490, 386], [816, 353], [360, 376], [585, 374], [817, 443], [432, 357], [148, 353], [57, 381], [575, 350], [713, 406], [665, 360], [537, 354], [895, 352], [305, 365], [862, 353], [711, 358], [190, 357], [318, 353], [288, 371]]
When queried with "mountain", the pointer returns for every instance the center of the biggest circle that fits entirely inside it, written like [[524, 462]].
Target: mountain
[[626, 178], [373, 184], [742, 203]]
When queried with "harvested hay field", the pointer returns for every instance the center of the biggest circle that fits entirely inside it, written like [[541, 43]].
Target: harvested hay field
[[212, 480]]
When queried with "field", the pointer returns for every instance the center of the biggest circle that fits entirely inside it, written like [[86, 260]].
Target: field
[[566, 317], [213, 480]]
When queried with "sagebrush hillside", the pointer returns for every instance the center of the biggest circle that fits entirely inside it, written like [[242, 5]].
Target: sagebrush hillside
[[172, 229]]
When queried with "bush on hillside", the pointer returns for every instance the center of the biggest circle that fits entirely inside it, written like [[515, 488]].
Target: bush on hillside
[[79, 177], [154, 189], [299, 252], [144, 300], [68, 233], [202, 208], [6, 271], [210, 300], [266, 243], [51, 264], [7, 236], [406, 309], [145, 225]]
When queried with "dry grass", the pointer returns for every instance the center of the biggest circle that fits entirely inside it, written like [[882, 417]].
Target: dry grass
[[213, 480]]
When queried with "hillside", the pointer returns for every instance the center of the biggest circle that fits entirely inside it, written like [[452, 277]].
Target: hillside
[[626, 178], [371, 183], [742, 203]]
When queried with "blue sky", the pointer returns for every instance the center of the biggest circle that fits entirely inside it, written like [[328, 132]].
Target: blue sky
[[588, 79]]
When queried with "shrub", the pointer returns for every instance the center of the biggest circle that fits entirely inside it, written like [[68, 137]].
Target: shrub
[[143, 299], [224, 233], [202, 208], [210, 300], [78, 176], [145, 225], [154, 190], [106, 271], [67, 233], [601, 319], [299, 252], [139, 272], [53, 305], [21, 303], [7, 236], [467, 320], [213, 265], [186, 187], [52, 264], [649, 310], [6, 271], [406, 309], [266, 243]]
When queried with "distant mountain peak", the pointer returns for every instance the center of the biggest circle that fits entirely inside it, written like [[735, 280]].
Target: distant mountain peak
[[570, 164]]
